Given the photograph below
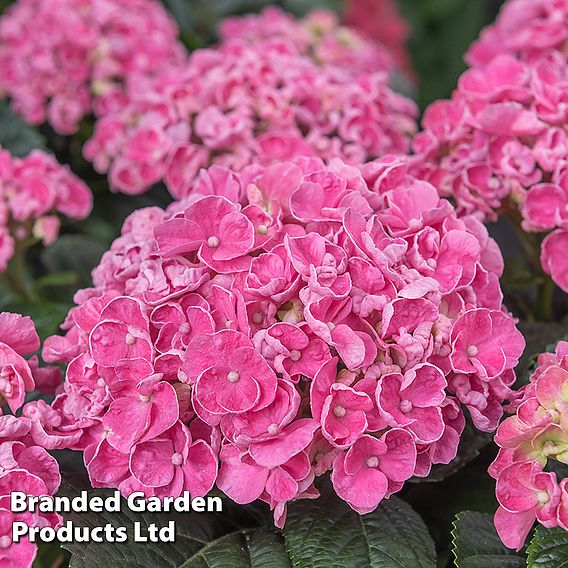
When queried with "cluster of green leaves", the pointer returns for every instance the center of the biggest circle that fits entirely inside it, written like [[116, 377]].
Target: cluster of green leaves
[[477, 545], [318, 534]]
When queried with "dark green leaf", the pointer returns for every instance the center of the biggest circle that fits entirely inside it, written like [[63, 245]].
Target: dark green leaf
[[49, 555], [301, 7], [15, 135], [326, 532], [255, 548], [476, 543], [202, 539], [548, 548], [74, 253], [47, 315]]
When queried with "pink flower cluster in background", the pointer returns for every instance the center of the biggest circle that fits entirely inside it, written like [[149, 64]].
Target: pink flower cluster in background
[[319, 36], [280, 323], [32, 190], [238, 104], [499, 146], [532, 439], [24, 465], [528, 29], [381, 20], [63, 59]]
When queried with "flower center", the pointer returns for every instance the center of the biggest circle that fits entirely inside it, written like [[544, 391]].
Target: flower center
[[177, 459], [5, 541], [493, 183], [262, 229], [549, 449], [405, 406], [184, 328], [145, 398], [472, 351], [213, 241], [339, 411], [101, 382], [257, 317], [233, 376], [295, 355], [373, 461], [543, 497], [130, 339], [272, 429]]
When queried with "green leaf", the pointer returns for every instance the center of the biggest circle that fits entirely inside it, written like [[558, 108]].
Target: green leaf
[[476, 543], [255, 548], [50, 555], [548, 548], [46, 314], [78, 254], [15, 135], [321, 533], [202, 540], [301, 7], [326, 532]]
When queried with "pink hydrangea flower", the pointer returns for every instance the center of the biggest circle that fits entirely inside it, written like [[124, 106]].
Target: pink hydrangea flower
[[25, 467], [498, 146], [528, 28], [529, 440], [525, 494], [319, 35], [32, 190], [280, 323], [18, 337], [381, 20], [247, 102], [59, 77]]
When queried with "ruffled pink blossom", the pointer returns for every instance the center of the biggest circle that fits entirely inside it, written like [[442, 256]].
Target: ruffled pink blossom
[[527, 28], [25, 467], [59, 77], [247, 102], [498, 147], [530, 440], [32, 190], [280, 323], [381, 20], [319, 35]]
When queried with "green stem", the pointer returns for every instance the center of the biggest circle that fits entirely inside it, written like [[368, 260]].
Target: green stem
[[531, 245], [16, 274], [545, 296]]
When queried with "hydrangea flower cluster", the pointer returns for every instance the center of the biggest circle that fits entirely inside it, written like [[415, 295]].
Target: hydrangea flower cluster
[[239, 104], [24, 464], [500, 146], [319, 36], [62, 59], [32, 190], [381, 21], [527, 29], [531, 441], [27, 467], [280, 323]]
